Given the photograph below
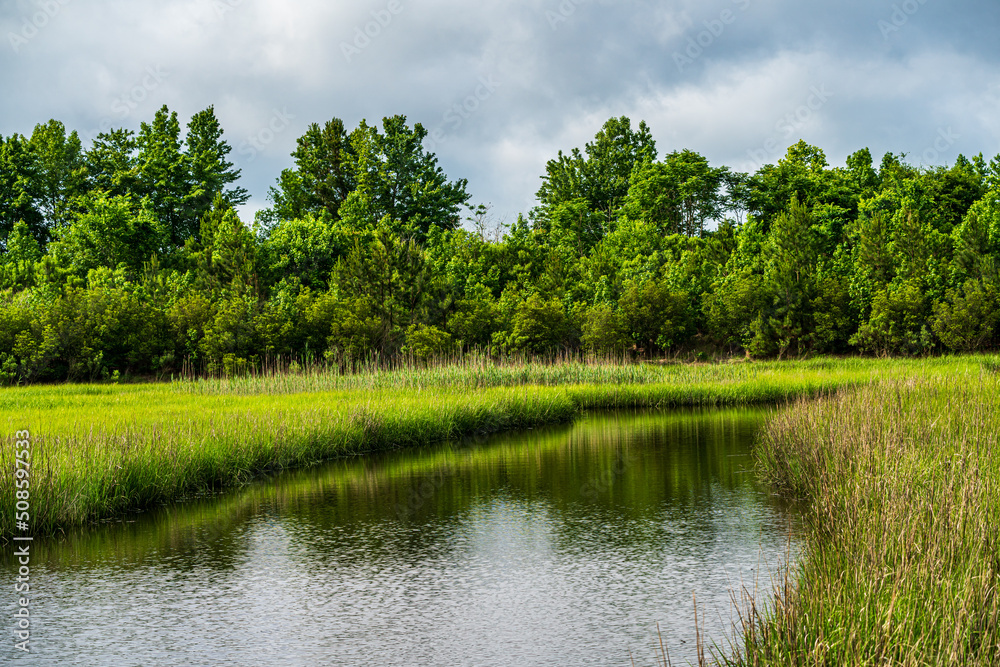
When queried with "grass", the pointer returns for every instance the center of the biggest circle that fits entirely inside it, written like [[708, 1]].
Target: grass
[[902, 565]]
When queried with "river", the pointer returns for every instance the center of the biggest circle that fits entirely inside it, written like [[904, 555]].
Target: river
[[561, 545]]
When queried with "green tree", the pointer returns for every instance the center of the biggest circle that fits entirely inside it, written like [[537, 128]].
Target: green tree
[[386, 277], [954, 190], [110, 231], [679, 195], [17, 264], [307, 248], [734, 304], [19, 178], [832, 313], [604, 330], [789, 282], [538, 326], [969, 319], [230, 340], [397, 180], [802, 175], [656, 317], [211, 173], [323, 176], [573, 224], [358, 328], [425, 342], [862, 172], [601, 174], [898, 323], [60, 172], [162, 175], [112, 164], [227, 255], [977, 240]]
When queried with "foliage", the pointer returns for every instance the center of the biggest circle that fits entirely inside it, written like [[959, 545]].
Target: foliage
[[426, 342], [602, 178], [680, 195], [538, 326], [655, 316], [111, 231], [362, 251], [969, 319], [898, 322]]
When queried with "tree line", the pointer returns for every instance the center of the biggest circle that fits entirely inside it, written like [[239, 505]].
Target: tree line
[[128, 256]]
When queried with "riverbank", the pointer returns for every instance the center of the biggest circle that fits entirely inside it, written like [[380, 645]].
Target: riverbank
[[101, 451], [902, 557]]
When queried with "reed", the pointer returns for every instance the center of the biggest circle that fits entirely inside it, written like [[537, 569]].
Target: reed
[[901, 481]]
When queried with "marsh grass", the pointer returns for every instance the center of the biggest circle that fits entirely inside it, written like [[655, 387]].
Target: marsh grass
[[902, 564], [475, 371]]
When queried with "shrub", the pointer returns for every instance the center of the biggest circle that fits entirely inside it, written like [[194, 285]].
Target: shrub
[[426, 342]]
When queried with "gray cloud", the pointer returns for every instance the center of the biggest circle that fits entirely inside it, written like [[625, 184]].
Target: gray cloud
[[505, 85]]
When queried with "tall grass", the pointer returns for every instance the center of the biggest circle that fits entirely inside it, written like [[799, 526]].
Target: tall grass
[[902, 565], [477, 371]]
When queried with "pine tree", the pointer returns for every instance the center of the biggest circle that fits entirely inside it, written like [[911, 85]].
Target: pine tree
[[210, 171]]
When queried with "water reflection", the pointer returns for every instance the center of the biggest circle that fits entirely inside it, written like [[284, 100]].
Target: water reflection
[[561, 545]]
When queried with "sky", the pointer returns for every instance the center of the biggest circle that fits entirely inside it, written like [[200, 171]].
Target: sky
[[503, 86]]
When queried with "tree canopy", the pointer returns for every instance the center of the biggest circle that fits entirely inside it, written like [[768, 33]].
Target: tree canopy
[[129, 255]]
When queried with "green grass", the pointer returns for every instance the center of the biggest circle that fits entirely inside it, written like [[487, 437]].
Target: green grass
[[902, 558]]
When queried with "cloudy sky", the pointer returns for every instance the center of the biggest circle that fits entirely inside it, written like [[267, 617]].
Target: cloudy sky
[[505, 85]]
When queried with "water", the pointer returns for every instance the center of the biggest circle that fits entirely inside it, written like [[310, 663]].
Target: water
[[555, 546]]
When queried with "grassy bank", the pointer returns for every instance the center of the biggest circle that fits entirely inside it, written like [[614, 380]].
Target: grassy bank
[[902, 565], [102, 450]]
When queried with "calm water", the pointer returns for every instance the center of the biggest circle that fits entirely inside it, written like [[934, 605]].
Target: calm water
[[556, 546]]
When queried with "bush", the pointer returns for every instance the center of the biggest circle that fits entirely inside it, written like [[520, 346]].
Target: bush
[[356, 327], [230, 337], [538, 327], [475, 320], [967, 321], [604, 330], [426, 342], [655, 316], [898, 322]]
